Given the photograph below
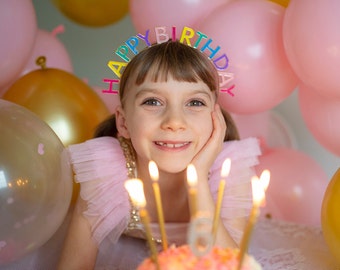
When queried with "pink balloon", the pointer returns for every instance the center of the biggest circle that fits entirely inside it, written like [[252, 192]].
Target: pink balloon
[[268, 126], [47, 44], [250, 33], [18, 28], [296, 188], [321, 115], [149, 14], [312, 41], [111, 100]]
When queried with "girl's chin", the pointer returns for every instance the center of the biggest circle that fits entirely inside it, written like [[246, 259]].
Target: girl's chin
[[172, 167]]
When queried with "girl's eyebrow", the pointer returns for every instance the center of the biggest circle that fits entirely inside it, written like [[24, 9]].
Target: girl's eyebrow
[[147, 90]]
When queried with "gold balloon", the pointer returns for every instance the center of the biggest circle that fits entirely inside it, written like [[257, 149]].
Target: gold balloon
[[283, 3], [67, 104], [93, 12], [330, 215]]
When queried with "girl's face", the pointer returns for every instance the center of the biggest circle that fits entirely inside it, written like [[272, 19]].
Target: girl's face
[[168, 122]]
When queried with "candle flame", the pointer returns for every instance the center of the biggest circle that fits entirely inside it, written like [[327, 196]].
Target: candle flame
[[153, 170], [258, 191], [225, 168], [136, 191], [191, 175], [265, 179]]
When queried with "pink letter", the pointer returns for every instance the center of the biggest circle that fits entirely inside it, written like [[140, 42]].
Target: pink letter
[[161, 35], [110, 90]]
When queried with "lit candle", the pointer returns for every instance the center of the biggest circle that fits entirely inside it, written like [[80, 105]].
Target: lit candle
[[265, 179], [136, 192], [224, 173], [192, 182], [154, 176], [258, 198]]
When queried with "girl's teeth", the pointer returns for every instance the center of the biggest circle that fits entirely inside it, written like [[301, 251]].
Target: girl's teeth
[[171, 145]]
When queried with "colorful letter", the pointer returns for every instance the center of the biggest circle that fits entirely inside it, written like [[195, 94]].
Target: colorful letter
[[161, 35], [113, 64], [218, 59], [213, 51], [132, 43], [145, 38], [173, 33], [122, 52], [110, 90], [187, 34], [225, 78], [200, 37]]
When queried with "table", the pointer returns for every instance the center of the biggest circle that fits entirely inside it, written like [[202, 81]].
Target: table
[[277, 245]]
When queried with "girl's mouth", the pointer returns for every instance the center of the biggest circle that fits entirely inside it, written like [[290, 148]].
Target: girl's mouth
[[172, 145]]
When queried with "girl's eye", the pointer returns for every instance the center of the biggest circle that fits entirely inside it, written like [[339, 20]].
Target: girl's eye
[[196, 103], [151, 102]]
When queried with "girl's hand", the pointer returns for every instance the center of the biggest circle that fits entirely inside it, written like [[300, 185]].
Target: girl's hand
[[206, 157]]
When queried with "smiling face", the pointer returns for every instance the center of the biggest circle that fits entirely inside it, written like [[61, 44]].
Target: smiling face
[[167, 92], [167, 121]]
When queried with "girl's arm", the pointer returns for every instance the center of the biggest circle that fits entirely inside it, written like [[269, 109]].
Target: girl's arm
[[79, 251], [202, 162]]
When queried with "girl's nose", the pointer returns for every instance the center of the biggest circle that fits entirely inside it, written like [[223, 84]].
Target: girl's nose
[[173, 120]]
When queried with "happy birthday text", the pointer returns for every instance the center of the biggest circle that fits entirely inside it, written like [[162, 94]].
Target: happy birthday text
[[188, 36]]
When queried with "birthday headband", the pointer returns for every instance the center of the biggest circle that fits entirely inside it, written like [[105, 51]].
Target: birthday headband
[[202, 43]]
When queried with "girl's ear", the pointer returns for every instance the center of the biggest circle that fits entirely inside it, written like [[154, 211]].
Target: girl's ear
[[121, 123]]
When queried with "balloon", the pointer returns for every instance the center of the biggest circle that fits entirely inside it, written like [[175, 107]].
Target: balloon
[[111, 100], [262, 75], [18, 28], [48, 45], [93, 13], [35, 182], [283, 3], [330, 218], [312, 43], [149, 14], [321, 115], [269, 126], [296, 188], [70, 107]]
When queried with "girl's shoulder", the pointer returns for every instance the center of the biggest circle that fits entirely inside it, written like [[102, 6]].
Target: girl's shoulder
[[243, 155], [96, 159], [243, 152], [99, 166], [237, 200]]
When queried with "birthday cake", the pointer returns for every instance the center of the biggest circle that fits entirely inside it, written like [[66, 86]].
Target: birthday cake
[[177, 258]]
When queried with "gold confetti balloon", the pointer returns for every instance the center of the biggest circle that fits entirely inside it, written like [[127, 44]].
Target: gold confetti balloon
[[35, 182], [330, 215]]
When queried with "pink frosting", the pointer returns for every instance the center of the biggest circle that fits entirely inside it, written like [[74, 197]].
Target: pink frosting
[[182, 258]]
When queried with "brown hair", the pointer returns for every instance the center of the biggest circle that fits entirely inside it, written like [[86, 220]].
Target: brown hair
[[182, 62]]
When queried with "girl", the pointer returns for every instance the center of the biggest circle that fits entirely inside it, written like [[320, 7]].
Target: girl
[[168, 114]]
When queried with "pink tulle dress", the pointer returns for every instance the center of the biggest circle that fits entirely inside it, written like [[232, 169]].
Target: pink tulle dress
[[100, 168]]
